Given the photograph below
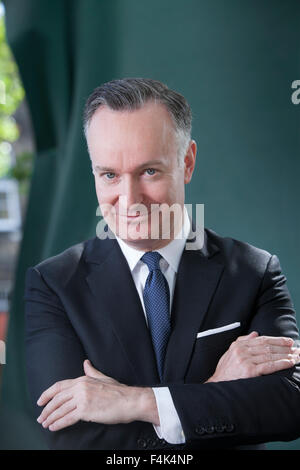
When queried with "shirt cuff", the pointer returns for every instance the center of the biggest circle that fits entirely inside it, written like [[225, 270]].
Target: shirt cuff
[[170, 428]]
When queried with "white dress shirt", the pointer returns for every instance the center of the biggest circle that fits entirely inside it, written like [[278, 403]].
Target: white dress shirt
[[170, 427]]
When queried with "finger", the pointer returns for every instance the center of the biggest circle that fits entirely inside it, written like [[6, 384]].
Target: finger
[[50, 392], [274, 366], [271, 340], [71, 418], [268, 357], [268, 348], [253, 334], [56, 402], [59, 413]]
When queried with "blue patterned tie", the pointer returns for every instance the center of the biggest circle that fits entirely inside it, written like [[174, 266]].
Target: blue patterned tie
[[157, 306]]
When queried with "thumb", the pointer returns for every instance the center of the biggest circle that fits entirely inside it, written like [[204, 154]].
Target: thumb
[[253, 334], [90, 370]]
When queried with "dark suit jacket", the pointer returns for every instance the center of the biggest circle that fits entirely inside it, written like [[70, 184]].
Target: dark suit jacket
[[83, 304]]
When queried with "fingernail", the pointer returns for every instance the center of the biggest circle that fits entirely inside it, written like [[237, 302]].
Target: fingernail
[[39, 419]]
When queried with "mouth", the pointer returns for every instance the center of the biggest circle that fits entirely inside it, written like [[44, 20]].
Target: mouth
[[134, 217]]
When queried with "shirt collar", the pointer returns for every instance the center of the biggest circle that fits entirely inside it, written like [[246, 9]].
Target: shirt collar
[[171, 252]]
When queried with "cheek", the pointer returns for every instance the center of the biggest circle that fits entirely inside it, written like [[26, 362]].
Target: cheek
[[99, 193], [104, 194], [165, 191], [174, 187]]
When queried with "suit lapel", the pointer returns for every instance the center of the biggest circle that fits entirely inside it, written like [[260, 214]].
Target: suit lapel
[[197, 278], [111, 283]]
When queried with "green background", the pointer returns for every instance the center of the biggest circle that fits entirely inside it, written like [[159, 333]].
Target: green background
[[233, 60]]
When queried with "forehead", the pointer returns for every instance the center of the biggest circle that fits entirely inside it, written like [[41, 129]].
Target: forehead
[[149, 129]]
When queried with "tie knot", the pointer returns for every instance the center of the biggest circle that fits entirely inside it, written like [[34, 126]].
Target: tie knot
[[151, 259]]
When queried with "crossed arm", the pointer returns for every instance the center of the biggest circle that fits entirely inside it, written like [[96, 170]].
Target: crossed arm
[[264, 405], [101, 399]]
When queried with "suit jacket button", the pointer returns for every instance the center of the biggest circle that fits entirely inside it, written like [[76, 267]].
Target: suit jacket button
[[220, 428], [152, 442], [142, 443], [229, 427], [200, 430], [210, 429]]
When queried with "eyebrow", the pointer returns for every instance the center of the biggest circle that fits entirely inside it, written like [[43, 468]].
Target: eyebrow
[[146, 164]]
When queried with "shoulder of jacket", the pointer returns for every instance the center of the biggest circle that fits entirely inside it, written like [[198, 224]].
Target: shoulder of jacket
[[237, 251], [63, 265]]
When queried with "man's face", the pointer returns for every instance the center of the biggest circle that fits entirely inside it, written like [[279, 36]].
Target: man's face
[[135, 164]]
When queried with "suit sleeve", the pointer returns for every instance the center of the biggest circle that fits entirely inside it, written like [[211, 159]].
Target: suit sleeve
[[53, 353], [254, 410]]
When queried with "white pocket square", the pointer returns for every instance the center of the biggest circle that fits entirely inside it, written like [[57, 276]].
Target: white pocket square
[[231, 326]]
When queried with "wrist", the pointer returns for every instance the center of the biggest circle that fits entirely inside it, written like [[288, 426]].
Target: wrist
[[145, 405]]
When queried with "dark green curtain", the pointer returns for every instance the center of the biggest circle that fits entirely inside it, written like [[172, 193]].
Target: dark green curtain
[[234, 61]]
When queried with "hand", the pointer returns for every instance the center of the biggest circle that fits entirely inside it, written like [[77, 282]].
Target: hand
[[253, 355], [95, 397]]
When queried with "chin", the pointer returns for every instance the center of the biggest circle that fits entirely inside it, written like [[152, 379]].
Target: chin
[[134, 232]]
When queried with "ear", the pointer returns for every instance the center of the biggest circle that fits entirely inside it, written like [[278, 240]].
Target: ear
[[189, 161]]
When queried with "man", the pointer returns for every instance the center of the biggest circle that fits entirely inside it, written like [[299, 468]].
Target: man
[[136, 341]]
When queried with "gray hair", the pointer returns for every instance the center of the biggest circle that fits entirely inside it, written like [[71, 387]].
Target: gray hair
[[132, 94]]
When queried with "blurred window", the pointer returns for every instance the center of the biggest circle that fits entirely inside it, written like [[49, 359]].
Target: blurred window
[[10, 213]]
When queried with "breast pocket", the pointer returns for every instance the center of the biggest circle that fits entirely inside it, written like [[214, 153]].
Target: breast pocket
[[217, 337], [209, 348]]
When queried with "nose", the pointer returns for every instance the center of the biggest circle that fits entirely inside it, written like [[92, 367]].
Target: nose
[[131, 195]]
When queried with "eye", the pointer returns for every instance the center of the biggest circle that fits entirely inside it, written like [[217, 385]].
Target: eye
[[150, 171], [109, 175]]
